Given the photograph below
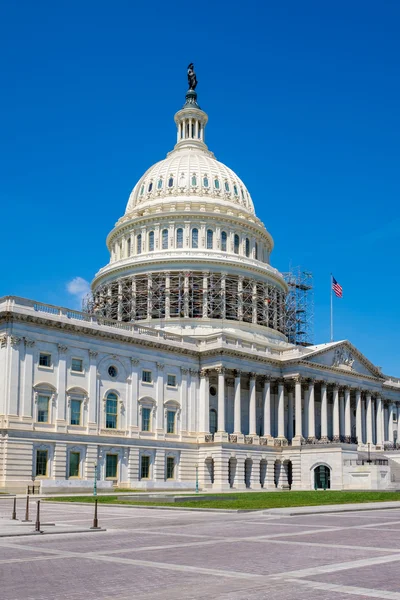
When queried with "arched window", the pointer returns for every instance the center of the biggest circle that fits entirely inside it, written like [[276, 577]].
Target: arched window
[[205, 181], [151, 241], [195, 238], [179, 238], [159, 184], [235, 190], [170, 182], [256, 251], [150, 186], [236, 244], [322, 477], [194, 180], [213, 420], [247, 247], [128, 247], [223, 241], [210, 236], [142, 190], [165, 239], [216, 184], [111, 411], [226, 186], [139, 244]]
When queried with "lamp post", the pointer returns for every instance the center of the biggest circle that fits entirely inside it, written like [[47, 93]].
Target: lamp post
[[95, 480], [197, 478]]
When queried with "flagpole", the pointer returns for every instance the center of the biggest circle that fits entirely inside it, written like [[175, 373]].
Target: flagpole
[[331, 309]]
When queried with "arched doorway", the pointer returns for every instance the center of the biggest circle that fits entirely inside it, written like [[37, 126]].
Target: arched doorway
[[248, 464], [210, 469], [322, 477], [232, 471], [289, 472], [263, 472]]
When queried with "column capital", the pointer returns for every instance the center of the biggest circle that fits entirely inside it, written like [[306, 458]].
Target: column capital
[[184, 370], [29, 343], [220, 370], [298, 379], [252, 375], [160, 366], [237, 373], [62, 349], [204, 373], [195, 372], [134, 361]]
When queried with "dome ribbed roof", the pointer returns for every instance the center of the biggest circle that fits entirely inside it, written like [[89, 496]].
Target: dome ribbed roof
[[190, 171]]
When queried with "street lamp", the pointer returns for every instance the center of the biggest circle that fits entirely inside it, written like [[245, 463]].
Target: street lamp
[[197, 478], [95, 480]]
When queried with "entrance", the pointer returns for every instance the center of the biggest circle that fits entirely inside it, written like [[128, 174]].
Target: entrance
[[322, 478]]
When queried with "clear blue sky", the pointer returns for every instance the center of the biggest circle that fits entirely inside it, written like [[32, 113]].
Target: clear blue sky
[[303, 101]]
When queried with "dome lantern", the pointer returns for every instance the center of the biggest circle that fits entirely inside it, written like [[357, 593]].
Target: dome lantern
[[191, 120]]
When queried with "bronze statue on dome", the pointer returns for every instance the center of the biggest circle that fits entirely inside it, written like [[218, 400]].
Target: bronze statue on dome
[[192, 79]]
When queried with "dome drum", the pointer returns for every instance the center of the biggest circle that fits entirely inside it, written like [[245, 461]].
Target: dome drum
[[172, 295]]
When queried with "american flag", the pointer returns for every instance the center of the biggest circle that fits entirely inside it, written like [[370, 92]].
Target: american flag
[[337, 288]]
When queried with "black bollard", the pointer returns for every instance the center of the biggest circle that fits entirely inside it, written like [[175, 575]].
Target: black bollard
[[26, 511], [14, 511], [37, 524], [95, 520]]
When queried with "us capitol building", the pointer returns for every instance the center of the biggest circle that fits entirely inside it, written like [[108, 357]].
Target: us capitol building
[[179, 368]]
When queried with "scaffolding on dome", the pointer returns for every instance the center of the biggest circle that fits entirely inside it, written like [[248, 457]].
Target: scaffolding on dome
[[193, 295], [300, 307]]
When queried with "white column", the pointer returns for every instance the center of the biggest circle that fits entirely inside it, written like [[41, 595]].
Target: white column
[[267, 407], [133, 423], [336, 423], [204, 403], [93, 399], [281, 410], [252, 405], [379, 422], [324, 411], [238, 408], [369, 417], [221, 399], [160, 400], [358, 417], [390, 426], [347, 414], [184, 401], [298, 415], [27, 408], [305, 411], [311, 410], [341, 412], [289, 432], [61, 383]]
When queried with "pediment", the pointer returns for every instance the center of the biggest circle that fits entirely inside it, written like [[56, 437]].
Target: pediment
[[343, 356]]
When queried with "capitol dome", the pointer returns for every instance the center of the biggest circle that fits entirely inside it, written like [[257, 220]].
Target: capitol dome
[[190, 255]]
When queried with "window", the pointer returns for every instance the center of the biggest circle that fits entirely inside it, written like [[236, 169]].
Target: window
[[111, 466], [165, 239], [235, 190], [112, 371], [77, 365], [205, 182], [145, 467], [150, 186], [146, 419], [111, 411], [213, 420], [44, 359], [209, 239], [194, 180], [236, 244], [147, 376], [216, 184], [41, 463], [170, 182], [128, 247], [43, 409], [170, 467], [179, 238], [139, 244], [170, 421], [226, 186], [213, 390], [256, 251], [74, 460], [223, 241], [75, 418], [195, 238], [142, 190], [159, 184], [247, 247], [151, 241], [171, 380]]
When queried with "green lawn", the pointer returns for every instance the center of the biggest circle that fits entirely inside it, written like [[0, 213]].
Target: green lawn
[[255, 500]]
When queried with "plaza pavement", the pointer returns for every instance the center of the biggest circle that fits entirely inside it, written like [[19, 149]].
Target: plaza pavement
[[161, 554]]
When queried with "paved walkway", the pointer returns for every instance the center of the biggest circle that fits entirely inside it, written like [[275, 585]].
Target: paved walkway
[[154, 554]]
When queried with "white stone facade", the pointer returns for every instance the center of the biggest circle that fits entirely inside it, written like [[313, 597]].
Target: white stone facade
[[180, 369]]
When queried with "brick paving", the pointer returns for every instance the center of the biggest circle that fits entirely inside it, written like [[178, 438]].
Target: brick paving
[[157, 554]]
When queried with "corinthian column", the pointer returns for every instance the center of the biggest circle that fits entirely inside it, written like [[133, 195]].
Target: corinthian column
[[311, 411], [221, 433], [324, 412], [298, 415], [369, 418], [336, 422], [281, 410], [204, 404], [347, 416], [379, 421], [237, 426], [252, 406], [358, 417], [267, 407]]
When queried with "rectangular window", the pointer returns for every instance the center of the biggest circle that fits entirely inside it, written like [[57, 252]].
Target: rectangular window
[[145, 467], [170, 421], [74, 460], [77, 365], [41, 463], [44, 359], [170, 467], [111, 466], [171, 380], [146, 419], [111, 413], [43, 409], [146, 376], [76, 406]]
